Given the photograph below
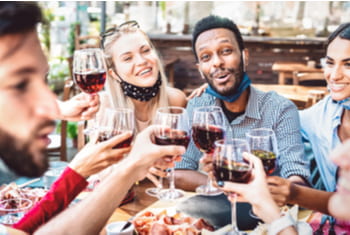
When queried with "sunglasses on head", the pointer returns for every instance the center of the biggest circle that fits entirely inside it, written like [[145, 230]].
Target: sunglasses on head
[[113, 30]]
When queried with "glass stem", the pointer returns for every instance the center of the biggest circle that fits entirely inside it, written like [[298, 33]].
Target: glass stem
[[234, 214], [209, 185], [172, 179], [160, 184]]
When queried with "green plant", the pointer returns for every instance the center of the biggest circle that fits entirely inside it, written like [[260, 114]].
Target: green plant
[[72, 129], [71, 38], [48, 18]]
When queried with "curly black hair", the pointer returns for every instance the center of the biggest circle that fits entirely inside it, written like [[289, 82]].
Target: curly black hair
[[213, 22]]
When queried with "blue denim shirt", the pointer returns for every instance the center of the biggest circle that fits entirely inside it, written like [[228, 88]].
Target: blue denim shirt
[[319, 126]]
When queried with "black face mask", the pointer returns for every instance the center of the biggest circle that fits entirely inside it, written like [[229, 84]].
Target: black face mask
[[141, 93]]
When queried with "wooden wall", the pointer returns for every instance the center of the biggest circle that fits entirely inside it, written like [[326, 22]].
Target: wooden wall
[[263, 53]]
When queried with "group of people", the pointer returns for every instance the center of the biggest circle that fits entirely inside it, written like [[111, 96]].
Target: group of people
[[136, 79]]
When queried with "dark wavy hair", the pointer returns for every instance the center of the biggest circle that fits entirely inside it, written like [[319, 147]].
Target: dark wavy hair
[[19, 17], [343, 31], [213, 22]]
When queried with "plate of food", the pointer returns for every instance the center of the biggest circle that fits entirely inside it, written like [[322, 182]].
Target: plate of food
[[168, 221], [13, 191]]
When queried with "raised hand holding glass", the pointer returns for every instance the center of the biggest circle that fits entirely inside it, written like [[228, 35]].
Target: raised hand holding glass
[[229, 165], [172, 129]]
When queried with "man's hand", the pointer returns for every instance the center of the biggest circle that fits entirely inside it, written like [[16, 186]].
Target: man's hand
[[95, 157], [80, 107], [281, 189]]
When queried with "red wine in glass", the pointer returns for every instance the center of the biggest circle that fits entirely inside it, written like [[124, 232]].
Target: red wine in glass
[[239, 172], [126, 143], [90, 82], [204, 136], [173, 137], [268, 160]]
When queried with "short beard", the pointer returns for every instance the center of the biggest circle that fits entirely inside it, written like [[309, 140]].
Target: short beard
[[238, 74], [19, 158]]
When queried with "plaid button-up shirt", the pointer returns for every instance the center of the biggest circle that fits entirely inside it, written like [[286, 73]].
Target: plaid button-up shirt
[[264, 109]]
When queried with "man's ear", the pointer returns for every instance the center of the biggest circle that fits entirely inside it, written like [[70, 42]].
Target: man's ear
[[200, 71], [245, 59]]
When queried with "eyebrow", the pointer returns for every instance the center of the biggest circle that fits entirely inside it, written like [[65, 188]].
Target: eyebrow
[[24, 71], [344, 60], [221, 41]]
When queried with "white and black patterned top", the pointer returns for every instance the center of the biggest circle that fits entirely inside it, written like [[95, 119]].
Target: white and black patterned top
[[264, 109]]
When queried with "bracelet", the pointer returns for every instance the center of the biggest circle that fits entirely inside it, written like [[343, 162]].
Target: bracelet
[[281, 223]]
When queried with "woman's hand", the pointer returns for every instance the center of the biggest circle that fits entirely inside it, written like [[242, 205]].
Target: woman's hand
[[80, 107], [256, 191], [146, 154]]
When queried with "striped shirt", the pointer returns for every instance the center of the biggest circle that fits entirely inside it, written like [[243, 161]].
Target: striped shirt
[[264, 109]]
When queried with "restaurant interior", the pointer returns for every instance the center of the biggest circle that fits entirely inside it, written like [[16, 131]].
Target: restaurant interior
[[285, 39]]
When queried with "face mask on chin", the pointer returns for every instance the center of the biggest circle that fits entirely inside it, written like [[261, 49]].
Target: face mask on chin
[[18, 157], [141, 93], [234, 93]]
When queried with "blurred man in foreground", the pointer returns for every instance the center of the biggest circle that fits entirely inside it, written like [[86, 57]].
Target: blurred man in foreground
[[27, 117]]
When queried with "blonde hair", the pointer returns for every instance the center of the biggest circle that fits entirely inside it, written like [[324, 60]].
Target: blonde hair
[[114, 90]]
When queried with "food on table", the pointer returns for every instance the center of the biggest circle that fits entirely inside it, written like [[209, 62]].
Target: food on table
[[162, 223], [12, 191]]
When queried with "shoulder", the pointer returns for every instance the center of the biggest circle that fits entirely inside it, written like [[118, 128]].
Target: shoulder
[[324, 110], [271, 100], [176, 97]]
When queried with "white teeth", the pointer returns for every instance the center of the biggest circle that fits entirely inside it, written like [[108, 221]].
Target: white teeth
[[338, 85], [145, 71]]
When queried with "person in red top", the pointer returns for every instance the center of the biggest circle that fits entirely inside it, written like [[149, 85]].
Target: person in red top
[[28, 111]]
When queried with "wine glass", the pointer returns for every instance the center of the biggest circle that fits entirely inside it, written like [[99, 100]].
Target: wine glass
[[263, 144], [207, 127], [109, 123], [229, 165], [89, 70], [172, 129]]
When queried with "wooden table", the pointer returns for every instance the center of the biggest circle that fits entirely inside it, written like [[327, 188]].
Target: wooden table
[[142, 200], [286, 69], [300, 95]]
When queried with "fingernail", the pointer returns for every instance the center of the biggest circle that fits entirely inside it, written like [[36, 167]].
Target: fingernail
[[221, 183]]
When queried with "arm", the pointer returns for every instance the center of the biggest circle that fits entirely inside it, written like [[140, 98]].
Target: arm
[[292, 161], [189, 180], [62, 192], [79, 107], [70, 183], [91, 214], [310, 198], [176, 97]]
